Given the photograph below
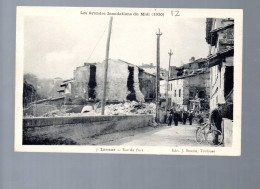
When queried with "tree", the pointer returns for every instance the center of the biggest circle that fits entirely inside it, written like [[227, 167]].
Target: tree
[[29, 94]]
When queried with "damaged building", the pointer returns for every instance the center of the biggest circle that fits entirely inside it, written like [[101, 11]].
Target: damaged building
[[193, 66], [220, 37], [191, 91], [189, 87], [125, 81]]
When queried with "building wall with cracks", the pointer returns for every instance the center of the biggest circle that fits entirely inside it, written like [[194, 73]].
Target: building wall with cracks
[[117, 74], [125, 81], [147, 84], [79, 86], [122, 81]]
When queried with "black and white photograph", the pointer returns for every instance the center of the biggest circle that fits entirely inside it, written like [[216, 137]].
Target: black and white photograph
[[128, 80]]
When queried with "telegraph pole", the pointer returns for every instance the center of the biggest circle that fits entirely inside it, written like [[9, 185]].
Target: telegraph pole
[[158, 76], [167, 83], [103, 102]]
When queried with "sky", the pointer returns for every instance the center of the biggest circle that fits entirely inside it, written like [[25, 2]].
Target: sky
[[55, 46]]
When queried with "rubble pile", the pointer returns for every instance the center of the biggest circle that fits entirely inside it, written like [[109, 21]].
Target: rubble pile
[[126, 108]]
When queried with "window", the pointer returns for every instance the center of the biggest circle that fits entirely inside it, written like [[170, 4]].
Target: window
[[179, 92], [174, 93]]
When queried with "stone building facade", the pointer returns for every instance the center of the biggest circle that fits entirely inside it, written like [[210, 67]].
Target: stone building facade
[[220, 37], [185, 90], [122, 81], [83, 83], [189, 85], [82, 79]]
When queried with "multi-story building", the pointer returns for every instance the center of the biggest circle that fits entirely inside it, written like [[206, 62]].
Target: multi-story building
[[190, 92], [220, 37], [189, 85]]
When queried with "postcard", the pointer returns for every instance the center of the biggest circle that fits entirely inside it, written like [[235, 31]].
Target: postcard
[[162, 81]]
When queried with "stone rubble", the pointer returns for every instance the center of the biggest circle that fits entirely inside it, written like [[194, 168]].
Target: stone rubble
[[126, 108]]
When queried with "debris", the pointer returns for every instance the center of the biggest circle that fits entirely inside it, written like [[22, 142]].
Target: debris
[[126, 108], [86, 109]]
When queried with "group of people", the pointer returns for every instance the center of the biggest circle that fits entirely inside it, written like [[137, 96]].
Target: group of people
[[215, 119], [176, 116]]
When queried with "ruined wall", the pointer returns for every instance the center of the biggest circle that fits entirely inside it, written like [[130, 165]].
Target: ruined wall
[[119, 79], [117, 75], [123, 82], [138, 93], [147, 84], [92, 82], [80, 87], [130, 84]]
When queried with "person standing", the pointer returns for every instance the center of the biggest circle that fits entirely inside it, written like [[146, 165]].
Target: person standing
[[176, 118], [184, 116], [170, 118], [216, 121], [190, 117]]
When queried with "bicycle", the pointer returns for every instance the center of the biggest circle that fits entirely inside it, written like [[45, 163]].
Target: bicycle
[[209, 134]]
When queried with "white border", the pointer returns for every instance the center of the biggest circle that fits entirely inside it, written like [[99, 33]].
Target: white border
[[71, 12]]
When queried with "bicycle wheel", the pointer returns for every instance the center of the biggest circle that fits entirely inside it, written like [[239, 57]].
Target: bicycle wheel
[[199, 135], [214, 137]]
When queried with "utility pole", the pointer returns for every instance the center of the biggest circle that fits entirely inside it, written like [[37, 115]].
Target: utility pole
[[158, 77], [167, 83], [103, 102]]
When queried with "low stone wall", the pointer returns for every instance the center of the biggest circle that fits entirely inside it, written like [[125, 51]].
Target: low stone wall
[[228, 132], [76, 130]]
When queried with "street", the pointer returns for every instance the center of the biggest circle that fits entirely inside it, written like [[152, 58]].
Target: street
[[181, 135]]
